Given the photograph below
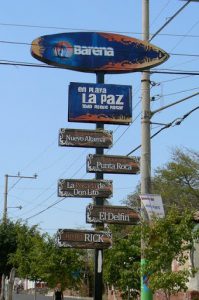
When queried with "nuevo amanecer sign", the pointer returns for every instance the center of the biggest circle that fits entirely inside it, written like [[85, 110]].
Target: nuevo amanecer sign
[[111, 214], [94, 103], [97, 52], [84, 239], [113, 164], [85, 138], [85, 188]]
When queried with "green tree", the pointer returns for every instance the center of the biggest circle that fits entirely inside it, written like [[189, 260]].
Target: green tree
[[177, 181], [122, 261], [38, 257], [8, 245], [166, 240], [63, 265], [171, 238], [29, 252]]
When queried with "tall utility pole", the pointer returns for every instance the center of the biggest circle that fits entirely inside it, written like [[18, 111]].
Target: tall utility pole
[[145, 168], [146, 112], [146, 293], [5, 210], [98, 280]]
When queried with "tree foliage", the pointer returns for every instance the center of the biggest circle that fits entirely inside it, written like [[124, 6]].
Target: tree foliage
[[38, 257], [122, 262], [8, 245], [166, 240], [171, 238], [177, 181]]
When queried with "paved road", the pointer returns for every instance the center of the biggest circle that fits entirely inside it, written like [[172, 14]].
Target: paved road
[[41, 297], [29, 297]]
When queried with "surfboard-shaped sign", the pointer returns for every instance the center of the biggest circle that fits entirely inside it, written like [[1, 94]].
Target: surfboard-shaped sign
[[97, 52]]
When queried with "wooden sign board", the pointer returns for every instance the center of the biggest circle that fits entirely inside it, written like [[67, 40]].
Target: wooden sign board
[[85, 138], [111, 215], [85, 188], [84, 239], [112, 164]]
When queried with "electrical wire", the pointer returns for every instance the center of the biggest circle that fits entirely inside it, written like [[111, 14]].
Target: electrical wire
[[194, 25], [52, 194], [160, 12], [154, 71], [14, 184], [91, 30], [30, 44], [174, 79], [174, 72], [171, 94], [175, 122], [184, 54], [45, 209], [169, 20]]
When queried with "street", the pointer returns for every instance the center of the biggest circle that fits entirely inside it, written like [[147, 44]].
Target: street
[[42, 297]]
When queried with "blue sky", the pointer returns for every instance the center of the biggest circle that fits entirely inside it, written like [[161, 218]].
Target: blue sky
[[34, 101]]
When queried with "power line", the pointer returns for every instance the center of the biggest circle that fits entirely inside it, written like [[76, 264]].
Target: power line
[[185, 35], [174, 72], [52, 194], [171, 94], [175, 122], [174, 79], [45, 209], [169, 20], [154, 71], [90, 30], [30, 44], [161, 11], [184, 54]]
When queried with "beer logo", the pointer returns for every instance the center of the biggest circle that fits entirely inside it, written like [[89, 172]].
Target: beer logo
[[63, 50]]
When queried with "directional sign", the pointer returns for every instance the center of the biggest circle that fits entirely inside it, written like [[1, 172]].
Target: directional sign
[[106, 103], [111, 214], [85, 188], [84, 239], [112, 164], [97, 52], [85, 138]]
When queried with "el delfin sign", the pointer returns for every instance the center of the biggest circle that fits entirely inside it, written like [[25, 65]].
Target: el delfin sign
[[111, 214], [84, 239], [85, 138], [97, 52], [85, 188], [94, 103]]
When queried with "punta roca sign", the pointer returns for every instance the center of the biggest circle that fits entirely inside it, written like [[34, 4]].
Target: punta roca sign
[[97, 52]]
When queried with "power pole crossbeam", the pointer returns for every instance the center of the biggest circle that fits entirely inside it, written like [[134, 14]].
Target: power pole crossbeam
[[5, 210]]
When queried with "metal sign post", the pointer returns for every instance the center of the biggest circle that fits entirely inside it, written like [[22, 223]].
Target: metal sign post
[[98, 279]]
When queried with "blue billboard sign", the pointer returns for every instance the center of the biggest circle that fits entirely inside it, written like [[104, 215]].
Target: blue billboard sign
[[97, 52], [103, 103]]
